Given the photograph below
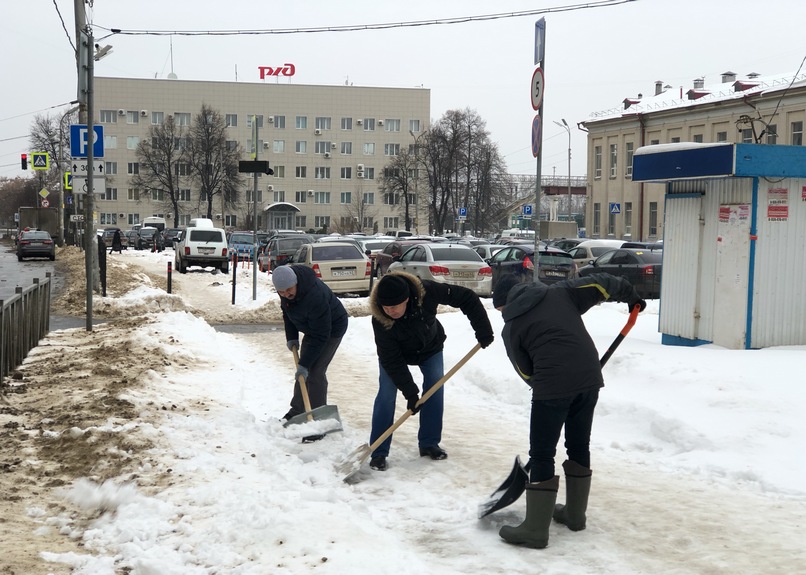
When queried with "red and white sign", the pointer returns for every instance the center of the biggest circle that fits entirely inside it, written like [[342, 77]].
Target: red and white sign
[[777, 213], [537, 87], [803, 194], [45, 203], [284, 70], [777, 195]]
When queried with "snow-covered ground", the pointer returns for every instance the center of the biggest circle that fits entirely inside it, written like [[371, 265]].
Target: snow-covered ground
[[696, 455]]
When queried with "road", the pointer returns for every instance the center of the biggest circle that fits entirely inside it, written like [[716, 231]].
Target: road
[[15, 274]]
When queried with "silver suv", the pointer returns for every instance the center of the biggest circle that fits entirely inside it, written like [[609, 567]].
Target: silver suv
[[203, 246]]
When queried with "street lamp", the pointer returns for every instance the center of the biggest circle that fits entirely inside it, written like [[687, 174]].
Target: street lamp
[[416, 180], [567, 128], [61, 168]]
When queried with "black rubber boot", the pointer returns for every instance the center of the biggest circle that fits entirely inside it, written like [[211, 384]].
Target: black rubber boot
[[534, 531], [577, 489]]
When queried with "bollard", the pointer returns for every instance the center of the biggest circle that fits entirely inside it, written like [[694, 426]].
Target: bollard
[[234, 274], [170, 267]]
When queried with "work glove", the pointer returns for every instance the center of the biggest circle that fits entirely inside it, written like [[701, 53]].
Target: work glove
[[301, 372], [636, 300], [485, 339], [292, 343], [411, 404]]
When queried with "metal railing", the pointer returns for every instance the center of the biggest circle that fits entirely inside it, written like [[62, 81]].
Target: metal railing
[[24, 321]]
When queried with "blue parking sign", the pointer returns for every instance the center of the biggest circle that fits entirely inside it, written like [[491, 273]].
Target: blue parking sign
[[79, 141]]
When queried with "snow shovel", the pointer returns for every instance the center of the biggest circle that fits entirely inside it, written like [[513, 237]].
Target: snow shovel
[[328, 413], [514, 485], [352, 464]]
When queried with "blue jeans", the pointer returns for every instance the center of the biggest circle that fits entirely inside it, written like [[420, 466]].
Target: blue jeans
[[430, 413], [548, 418]]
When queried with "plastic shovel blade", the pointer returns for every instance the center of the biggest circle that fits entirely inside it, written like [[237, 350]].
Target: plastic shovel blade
[[352, 463], [323, 413], [509, 491]]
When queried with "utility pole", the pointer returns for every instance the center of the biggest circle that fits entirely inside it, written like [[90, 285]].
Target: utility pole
[[254, 211], [567, 128]]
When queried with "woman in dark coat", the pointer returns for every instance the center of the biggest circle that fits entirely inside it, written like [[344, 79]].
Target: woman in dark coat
[[117, 244]]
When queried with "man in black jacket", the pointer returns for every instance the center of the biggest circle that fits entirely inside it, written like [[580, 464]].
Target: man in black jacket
[[551, 350], [310, 307], [407, 332]]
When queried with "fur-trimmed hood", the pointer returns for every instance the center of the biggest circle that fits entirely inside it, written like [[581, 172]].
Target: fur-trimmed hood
[[415, 287]]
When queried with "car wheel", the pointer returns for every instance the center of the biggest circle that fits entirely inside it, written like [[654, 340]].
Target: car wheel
[[225, 268], [52, 257], [19, 258], [180, 266]]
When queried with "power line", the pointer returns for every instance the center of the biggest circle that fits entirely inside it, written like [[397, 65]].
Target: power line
[[362, 27]]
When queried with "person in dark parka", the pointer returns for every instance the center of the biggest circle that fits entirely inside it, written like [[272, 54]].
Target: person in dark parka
[[311, 308], [117, 243], [407, 332], [551, 350]]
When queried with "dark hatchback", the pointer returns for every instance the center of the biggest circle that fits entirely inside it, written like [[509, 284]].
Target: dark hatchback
[[554, 265], [641, 267], [392, 252]]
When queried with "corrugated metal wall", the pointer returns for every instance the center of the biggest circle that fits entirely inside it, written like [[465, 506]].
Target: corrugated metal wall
[[779, 298]]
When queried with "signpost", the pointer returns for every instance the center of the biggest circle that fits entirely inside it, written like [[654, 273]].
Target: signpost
[[79, 144]]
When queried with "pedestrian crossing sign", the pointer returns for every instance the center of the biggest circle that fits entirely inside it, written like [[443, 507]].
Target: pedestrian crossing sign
[[615, 208], [41, 160]]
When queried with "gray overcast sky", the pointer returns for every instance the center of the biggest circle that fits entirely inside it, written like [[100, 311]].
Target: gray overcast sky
[[595, 57]]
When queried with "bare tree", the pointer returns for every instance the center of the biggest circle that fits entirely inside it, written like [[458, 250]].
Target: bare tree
[[357, 215], [163, 162], [47, 135], [398, 182], [214, 164]]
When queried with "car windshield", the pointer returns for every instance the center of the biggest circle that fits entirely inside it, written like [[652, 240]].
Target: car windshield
[[240, 239], [147, 233], [448, 253], [329, 253]]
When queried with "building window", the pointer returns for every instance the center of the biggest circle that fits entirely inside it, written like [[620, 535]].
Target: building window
[[346, 173], [231, 120], [278, 147], [279, 196], [675, 140], [279, 171], [158, 195], [391, 199], [391, 149], [231, 145], [628, 149], [321, 197], [249, 194], [321, 147], [231, 221], [182, 118], [111, 168], [322, 123], [697, 138], [653, 219], [110, 142], [369, 148], [346, 197], [133, 168], [597, 161], [321, 173], [110, 194], [597, 219], [414, 125], [301, 122], [346, 123], [131, 142], [391, 222], [721, 136], [182, 169], [258, 119], [797, 133], [347, 148], [611, 224], [300, 222], [133, 117], [301, 172], [369, 198], [369, 124], [654, 142], [369, 222], [301, 147], [279, 122], [300, 197], [628, 218], [157, 118], [391, 125], [322, 222], [747, 136], [613, 160], [369, 173], [772, 134], [108, 117], [133, 194], [106, 219], [184, 195]]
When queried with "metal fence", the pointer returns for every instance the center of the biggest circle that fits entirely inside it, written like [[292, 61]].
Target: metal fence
[[24, 320]]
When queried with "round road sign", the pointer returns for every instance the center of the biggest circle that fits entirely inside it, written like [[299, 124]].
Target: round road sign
[[537, 88], [45, 203]]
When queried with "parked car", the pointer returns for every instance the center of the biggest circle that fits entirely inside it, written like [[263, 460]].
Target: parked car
[[640, 266], [553, 265], [589, 250], [201, 246], [131, 238], [341, 265], [645, 245], [338, 238], [448, 262], [566, 244], [279, 250], [243, 244], [146, 237], [35, 244], [374, 245], [169, 234], [109, 234], [393, 251], [486, 251]]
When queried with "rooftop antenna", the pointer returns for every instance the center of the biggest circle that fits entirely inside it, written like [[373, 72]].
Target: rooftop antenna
[[172, 76]]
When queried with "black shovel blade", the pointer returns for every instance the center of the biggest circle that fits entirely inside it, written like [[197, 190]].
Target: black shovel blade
[[509, 491]]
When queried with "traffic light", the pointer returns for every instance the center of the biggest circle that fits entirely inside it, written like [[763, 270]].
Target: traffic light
[[24, 161]]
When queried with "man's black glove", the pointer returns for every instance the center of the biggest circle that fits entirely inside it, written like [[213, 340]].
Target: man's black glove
[[411, 404], [636, 301], [485, 339]]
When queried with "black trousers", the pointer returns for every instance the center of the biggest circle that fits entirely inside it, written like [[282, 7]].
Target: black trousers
[[316, 383], [548, 418]]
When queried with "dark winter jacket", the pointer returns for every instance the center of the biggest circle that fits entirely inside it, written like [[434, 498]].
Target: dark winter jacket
[[546, 339], [315, 311], [413, 338]]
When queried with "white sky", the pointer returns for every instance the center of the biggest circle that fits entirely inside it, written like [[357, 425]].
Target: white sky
[[696, 455], [594, 57]]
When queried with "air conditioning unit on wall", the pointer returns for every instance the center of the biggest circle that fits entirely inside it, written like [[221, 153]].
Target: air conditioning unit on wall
[[143, 113], [360, 167], [265, 145], [327, 154], [333, 145], [359, 122], [270, 188], [317, 132], [121, 112], [380, 122], [310, 193], [271, 119], [359, 173]]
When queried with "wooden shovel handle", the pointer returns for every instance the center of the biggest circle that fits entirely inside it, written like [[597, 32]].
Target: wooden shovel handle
[[424, 398], [306, 401]]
